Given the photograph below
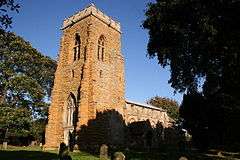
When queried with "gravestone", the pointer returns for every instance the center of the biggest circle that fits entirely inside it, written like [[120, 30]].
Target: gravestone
[[33, 143], [63, 152], [41, 146], [104, 152], [183, 158], [119, 156], [219, 154], [4, 145]]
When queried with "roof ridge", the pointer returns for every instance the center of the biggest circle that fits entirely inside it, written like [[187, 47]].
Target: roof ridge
[[145, 105]]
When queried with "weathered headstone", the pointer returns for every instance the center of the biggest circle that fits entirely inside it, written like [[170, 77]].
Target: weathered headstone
[[104, 152], [41, 146], [219, 154], [75, 148], [4, 145], [63, 152], [33, 143], [183, 158], [119, 156]]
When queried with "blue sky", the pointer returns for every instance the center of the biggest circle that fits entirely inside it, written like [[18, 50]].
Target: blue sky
[[39, 22]]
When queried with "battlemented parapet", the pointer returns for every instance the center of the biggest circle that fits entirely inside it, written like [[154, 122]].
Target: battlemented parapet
[[91, 10]]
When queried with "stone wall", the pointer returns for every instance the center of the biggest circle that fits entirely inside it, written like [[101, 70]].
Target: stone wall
[[134, 112]]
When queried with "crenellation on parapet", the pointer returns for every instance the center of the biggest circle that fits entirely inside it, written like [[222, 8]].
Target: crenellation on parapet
[[91, 10]]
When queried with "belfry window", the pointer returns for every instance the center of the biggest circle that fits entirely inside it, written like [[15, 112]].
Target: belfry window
[[100, 51], [76, 48]]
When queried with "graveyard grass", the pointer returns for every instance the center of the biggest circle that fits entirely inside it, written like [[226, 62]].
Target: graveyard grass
[[35, 153]]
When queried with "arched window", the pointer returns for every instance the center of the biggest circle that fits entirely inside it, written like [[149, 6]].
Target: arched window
[[76, 48], [100, 52], [71, 106]]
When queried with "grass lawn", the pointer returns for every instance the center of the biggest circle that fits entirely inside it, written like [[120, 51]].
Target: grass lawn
[[35, 153]]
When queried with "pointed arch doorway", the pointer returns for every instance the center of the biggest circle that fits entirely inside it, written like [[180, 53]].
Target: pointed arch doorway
[[69, 119]]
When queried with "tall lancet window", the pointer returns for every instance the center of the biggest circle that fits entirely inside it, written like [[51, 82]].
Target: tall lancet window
[[71, 106], [100, 51], [76, 48]]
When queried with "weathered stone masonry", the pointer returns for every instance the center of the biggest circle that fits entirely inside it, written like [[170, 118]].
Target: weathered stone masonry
[[90, 78], [134, 112]]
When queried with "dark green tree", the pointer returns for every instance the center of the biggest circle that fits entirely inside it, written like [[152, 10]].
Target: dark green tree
[[5, 7], [167, 104], [26, 79], [200, 42], [38, 129], [15, 121]]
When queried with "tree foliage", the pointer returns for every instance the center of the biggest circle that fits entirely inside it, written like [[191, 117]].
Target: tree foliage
[[37, 130], [167, 104], [5, 7], [195, 38], [26, 79], [16, 120], [199, 40]]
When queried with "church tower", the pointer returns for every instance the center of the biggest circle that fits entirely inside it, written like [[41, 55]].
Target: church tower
[[90, 74]]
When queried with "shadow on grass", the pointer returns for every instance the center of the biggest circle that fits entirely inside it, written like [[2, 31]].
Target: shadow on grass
[[83, 156], [26, 155], [173, 155]]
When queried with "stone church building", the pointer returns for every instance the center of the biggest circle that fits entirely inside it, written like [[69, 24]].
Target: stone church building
[[90, 79]]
